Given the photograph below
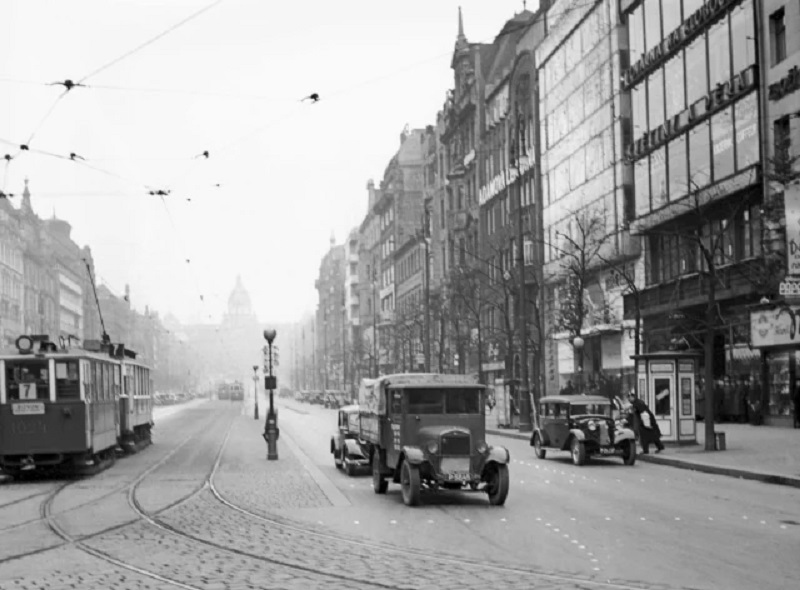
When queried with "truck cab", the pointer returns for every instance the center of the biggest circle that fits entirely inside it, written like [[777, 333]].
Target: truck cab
[[427, 431]]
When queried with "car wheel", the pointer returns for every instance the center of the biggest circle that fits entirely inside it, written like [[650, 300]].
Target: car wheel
[[409, 483], [379, 483], [537, 446], [337, 459], [578, 452], [629, 452], [497, 485]]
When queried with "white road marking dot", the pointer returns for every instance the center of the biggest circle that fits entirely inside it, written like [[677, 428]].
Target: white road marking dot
[[642, 518], [590, 554], [538, 518], [547, 524], [783, 526], [556, 531], [566, 536], [466, 520], [763, 522], [581, 546], [597, 569], [608, 518], [574, 541], [744, 518], [594, 560], [430, 522], [319, 522], [547, 481], [642, 480], [710, 518], [392, 522], [520, 481], [573, 519], [502, 520], [677, 518], [570, 481], [355, 522]]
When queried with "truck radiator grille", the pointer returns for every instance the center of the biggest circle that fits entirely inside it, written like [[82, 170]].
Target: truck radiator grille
[[455, 444]]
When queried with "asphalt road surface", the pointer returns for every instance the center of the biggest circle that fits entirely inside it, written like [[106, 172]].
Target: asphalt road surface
[[203, 509]]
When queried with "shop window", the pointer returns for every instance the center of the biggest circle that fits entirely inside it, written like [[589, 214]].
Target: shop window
[[639, 110], [782, 139], [777, 37], [641, 173]]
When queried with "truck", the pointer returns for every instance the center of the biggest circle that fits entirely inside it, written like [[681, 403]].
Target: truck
[[427, 431]]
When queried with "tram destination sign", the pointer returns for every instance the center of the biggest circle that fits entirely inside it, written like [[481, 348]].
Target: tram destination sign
[[27, 408], [790, 288]]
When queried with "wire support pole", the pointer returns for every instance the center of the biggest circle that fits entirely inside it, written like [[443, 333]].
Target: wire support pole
[[106, 337]]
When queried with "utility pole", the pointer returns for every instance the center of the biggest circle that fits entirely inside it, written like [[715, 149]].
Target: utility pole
[[524, 401], [426, 238], [344, 343]]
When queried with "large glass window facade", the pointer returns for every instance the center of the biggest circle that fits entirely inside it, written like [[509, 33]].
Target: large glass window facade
[[722, 138], [746, 117], [636, 34], [639, 110], [719, 56], [655, 98], [743, 35], [658, 178], [678, 170], [699, 156], [696, 70], [652, 23], [675, 86]]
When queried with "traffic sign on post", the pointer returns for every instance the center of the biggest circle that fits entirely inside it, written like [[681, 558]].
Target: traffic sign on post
[[270, 382]]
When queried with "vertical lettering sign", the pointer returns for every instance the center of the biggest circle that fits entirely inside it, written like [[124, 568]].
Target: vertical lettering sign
[[792, 204]]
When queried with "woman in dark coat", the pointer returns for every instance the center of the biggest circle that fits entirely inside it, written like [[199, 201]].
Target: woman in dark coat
[[646, 426]]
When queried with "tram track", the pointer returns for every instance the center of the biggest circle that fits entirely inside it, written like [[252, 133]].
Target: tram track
[[47, 516]]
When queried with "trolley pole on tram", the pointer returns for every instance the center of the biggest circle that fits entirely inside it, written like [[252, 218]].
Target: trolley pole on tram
[[255, 391], [271, 431]]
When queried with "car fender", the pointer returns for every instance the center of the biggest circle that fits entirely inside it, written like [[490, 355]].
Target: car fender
[[414, 455], [577, 433], [498, 455], [354, 447], [542, 436], [624, 434]]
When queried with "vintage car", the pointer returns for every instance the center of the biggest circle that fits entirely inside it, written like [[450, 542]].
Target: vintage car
[[428, 432], [584, 425], [349, 453]]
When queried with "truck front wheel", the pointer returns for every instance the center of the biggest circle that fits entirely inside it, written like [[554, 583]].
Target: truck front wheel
[[410, 483], [497, 484]]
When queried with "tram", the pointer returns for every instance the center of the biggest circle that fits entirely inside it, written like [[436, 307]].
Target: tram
[[71, 407], [230, 391]]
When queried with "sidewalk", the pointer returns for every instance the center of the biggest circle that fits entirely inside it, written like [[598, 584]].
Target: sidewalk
[[761, 453]]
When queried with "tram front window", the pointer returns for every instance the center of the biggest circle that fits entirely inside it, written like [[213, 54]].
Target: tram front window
[[67, 384], [27, 380]]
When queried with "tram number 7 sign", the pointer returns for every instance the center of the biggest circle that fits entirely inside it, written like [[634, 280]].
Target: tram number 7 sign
[[27, 391]]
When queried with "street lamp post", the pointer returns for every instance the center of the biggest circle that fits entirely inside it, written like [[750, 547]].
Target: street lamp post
[[271, 431], [255, 391], [577, 345]]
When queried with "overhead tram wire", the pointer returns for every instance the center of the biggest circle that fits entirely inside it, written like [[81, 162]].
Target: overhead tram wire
[[150, 41]]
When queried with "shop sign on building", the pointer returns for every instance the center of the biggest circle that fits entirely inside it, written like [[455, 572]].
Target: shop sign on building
[[792, 204], [775, 326]]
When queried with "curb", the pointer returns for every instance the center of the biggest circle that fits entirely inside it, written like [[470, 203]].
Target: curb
[[739, 473]]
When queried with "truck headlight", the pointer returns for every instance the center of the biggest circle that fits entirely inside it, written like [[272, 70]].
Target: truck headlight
[[433, 447], [482, 447], [592, 425]]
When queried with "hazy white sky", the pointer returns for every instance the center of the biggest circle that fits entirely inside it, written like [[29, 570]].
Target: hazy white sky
[[229, 81]]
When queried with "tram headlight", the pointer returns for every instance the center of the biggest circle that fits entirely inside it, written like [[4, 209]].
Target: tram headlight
[[433, 447], [482, 447]]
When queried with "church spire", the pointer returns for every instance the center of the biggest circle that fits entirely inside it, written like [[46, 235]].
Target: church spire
[[460, 25], [26, 198]]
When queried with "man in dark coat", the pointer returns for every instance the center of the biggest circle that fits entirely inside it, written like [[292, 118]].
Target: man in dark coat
[[646, 426]]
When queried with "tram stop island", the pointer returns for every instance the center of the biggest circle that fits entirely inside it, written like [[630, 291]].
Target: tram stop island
[[666, 383]]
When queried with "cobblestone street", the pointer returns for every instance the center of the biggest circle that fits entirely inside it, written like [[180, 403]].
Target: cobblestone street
[[212, 513]]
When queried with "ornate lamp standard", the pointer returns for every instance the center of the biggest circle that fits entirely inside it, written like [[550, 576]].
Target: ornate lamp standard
[[271, 431], [255, 390]]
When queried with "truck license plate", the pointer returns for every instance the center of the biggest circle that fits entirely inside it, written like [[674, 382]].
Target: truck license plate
[[27, 408], [459, 476]]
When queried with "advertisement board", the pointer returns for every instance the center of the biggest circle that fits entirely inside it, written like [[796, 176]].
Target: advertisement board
[[774, 327], [792, 203]]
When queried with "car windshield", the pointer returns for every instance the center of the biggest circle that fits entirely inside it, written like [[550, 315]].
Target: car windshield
[[444, 401], [596, 409]]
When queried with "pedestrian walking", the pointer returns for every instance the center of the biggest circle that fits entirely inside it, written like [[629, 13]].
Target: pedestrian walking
[[646, 426]]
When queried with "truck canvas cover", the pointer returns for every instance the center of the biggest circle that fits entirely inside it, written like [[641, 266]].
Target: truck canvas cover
[[370, 401]]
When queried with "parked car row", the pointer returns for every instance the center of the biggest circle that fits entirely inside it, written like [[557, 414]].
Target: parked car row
[[162, 398], [329, 399]]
